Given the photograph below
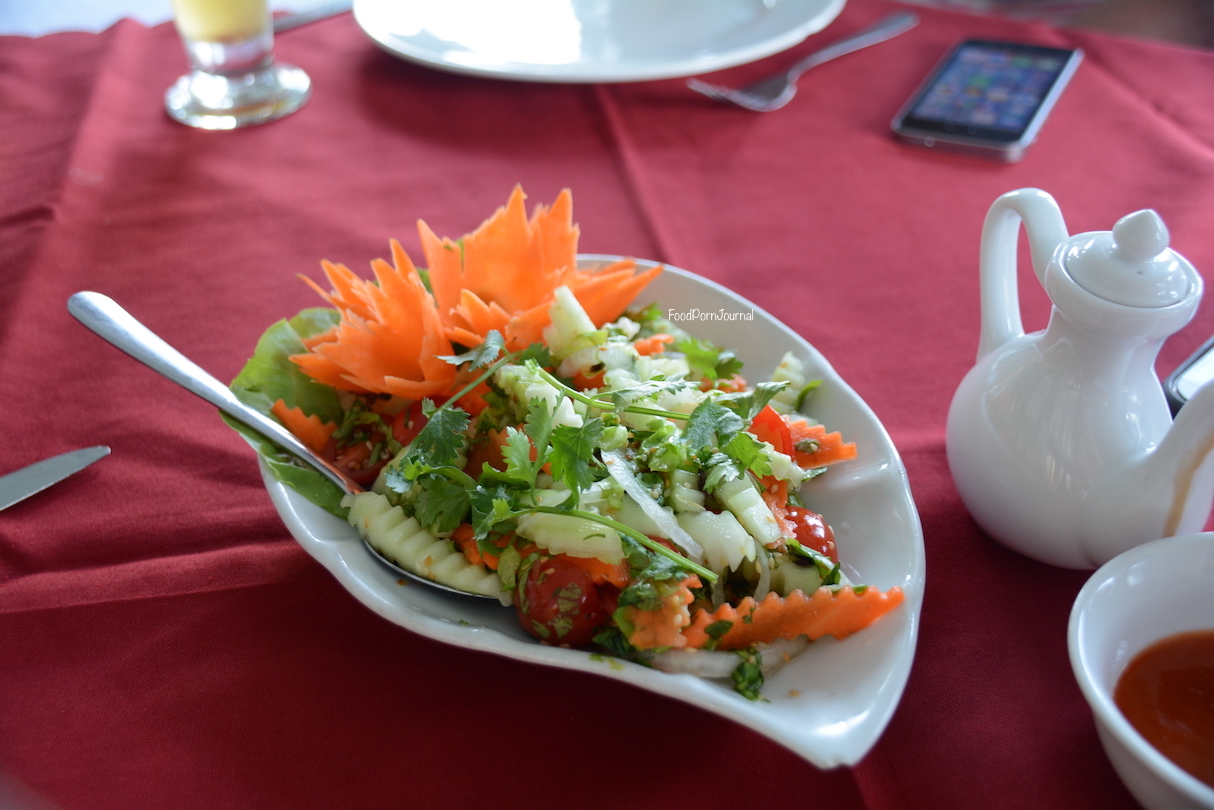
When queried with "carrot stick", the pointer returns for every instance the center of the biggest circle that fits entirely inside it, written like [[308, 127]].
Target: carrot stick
[[308, 429]]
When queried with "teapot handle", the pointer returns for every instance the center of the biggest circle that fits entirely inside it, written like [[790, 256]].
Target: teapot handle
[[1046, 229]]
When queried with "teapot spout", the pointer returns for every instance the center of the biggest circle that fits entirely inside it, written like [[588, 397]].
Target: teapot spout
[[1184, 458], [1163, 491]]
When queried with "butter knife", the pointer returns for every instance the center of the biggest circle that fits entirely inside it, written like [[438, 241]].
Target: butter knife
[[286, 22], [17, 486]]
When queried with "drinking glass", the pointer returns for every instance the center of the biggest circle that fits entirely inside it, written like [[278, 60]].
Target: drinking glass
[[233, 79]]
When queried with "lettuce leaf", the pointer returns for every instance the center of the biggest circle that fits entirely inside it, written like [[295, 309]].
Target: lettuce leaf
[[269, 376]]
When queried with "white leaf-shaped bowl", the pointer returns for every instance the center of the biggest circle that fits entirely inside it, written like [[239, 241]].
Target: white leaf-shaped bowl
[[829, 704]]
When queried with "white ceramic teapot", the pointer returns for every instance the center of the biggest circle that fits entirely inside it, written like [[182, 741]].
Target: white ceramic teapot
[[1061, 442]]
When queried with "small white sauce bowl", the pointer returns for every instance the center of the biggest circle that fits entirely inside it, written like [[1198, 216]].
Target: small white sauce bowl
[[1139, 597]]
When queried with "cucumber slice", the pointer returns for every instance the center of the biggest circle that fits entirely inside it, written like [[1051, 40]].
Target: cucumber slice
[[402, 540]]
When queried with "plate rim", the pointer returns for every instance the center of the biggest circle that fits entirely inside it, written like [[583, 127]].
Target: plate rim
[[820, 15], [304, 520]]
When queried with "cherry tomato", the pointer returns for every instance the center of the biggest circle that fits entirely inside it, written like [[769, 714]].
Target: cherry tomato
[[353, 461], [770, 427], [557, 603], [812, 531], [408, 423]]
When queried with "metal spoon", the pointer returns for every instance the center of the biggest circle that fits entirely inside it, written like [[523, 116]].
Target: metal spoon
[[114, 324], [774, 92]]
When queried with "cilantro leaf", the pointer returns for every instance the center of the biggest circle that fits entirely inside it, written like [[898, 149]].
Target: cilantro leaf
[[720, 469], [443, 503], [748, 675], [748, 453], [572, 453], [622, 397], [615, 642], [717, 426], [538, 427], [747, 404], [661, 446], [711, 425], [660, 569], [439, 442], [707, 360], [536, 352], [646, 316], [517, 452], [481, 355], [641, 595], [489, 510]]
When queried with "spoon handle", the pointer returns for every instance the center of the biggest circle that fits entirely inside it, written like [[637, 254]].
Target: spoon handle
[[114, 324]]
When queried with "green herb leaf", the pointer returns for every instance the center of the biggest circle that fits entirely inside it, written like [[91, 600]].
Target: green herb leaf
[[748, 675], [747, 404], [622, 397], [508, 563], [707, 360], [536, 352], [567, 599], [615, 642], [538, 427], [488, 511], [440, 442], [480, 356], [719, 469], [711, 425], [749, 454], [572, 453], [641, 595], [442, 504]]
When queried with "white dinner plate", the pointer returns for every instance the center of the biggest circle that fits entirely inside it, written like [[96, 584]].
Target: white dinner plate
[[829, 704], [590, 40]]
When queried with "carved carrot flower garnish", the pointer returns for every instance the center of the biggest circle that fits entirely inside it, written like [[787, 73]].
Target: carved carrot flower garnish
[[389, 339], [501, 277]]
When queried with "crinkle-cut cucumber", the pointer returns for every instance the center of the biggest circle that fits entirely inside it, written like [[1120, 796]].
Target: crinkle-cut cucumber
[[403, 541], [740, 497], [572, 535], [723, 539]]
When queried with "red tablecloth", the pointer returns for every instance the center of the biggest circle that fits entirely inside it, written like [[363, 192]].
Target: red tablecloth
[[165, 643]]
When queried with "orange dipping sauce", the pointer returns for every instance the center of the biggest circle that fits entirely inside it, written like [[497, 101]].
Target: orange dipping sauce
[[1167, 694]]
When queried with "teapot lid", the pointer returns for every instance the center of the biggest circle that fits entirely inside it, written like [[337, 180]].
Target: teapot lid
[[1132, 265]]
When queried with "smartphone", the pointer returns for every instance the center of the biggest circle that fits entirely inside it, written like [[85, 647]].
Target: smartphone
[[987, 98], [1189, 376]]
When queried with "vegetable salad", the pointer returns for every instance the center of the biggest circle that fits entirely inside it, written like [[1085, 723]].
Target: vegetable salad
[[616, 482]]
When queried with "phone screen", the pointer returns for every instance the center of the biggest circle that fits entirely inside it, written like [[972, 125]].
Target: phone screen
[[1190, 375], [991, 90]]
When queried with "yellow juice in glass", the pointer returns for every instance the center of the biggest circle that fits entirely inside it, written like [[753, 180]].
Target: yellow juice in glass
[[234, 80], [221, 20]]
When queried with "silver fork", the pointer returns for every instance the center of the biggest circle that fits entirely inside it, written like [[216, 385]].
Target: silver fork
[[774, 92]]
